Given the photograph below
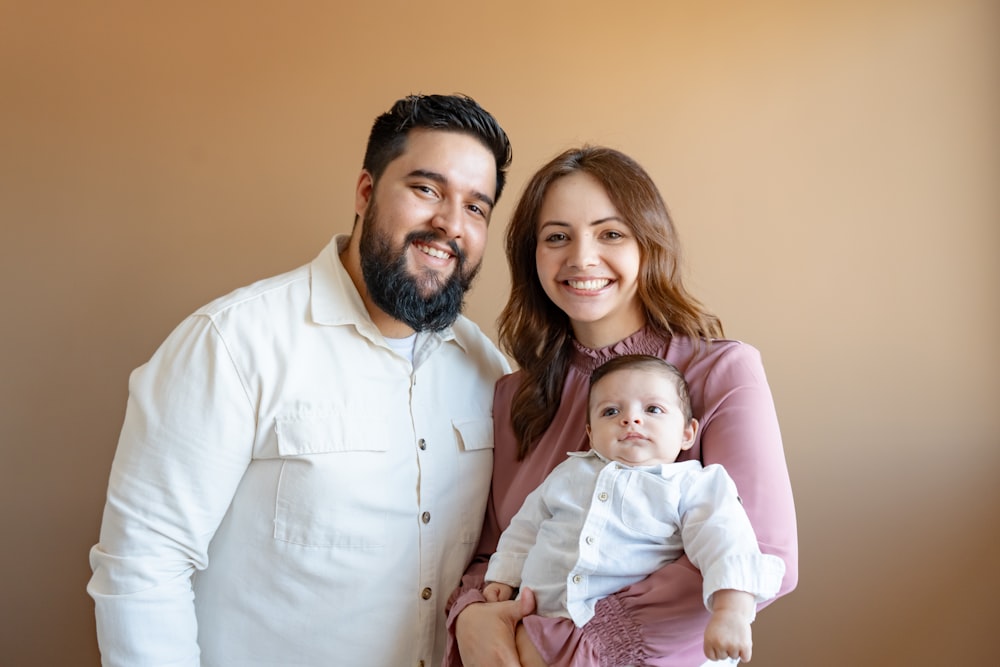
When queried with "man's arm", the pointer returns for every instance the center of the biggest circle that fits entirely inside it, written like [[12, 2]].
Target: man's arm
[[185, 443]]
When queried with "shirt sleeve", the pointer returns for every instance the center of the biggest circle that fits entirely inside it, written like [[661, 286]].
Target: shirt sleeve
[[661, 619], [185, 443], [507, 563], [720, 541]]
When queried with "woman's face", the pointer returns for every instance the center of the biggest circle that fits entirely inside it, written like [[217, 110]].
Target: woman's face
[[588, 261]]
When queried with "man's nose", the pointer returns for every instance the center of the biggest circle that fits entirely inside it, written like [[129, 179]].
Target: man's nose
[[448, 220]]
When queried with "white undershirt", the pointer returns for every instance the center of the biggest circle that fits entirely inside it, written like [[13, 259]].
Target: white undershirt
[[403, 346]]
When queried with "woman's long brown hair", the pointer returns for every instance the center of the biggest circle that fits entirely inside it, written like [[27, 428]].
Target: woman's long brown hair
[[536, 333]]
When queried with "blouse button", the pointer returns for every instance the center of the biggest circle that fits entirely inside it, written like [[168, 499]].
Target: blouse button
[[577, 578], [426, 517], [426, 594], [590, 539], [422, 444], [602, 496]]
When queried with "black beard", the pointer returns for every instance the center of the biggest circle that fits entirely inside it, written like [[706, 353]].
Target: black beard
[[423, 303]]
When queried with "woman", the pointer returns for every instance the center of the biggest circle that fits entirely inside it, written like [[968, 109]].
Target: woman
[[595, 264]]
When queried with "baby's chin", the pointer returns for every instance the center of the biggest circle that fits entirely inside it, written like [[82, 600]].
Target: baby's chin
[[632, 454], [641, 461]]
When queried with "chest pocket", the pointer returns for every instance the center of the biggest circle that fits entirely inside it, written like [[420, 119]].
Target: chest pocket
[[475, 441], [336, 487], [649, 507]]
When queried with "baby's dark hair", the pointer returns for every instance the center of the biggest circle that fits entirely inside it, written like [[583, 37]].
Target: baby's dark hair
[[644, 362]]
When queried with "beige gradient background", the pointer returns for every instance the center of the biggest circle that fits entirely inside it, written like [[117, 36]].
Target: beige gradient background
[[833, 167]]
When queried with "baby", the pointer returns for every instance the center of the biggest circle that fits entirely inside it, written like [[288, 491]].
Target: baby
[[606, 518]]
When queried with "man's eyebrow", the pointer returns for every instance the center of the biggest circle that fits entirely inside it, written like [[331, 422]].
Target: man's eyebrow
[[442, 180]]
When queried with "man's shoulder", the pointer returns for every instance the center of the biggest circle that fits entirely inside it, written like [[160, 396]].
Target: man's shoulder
[[261, 293]]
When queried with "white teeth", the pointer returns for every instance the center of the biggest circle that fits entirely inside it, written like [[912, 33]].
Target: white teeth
[[588, 284], [433, 252]]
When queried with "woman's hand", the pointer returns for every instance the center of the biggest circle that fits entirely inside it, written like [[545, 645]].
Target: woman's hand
[[526, 650], [486, 632]]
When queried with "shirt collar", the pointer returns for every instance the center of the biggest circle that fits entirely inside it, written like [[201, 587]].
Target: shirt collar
[[335, 300], [663, 469]]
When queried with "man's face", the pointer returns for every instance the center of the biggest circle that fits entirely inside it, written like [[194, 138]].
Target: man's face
[[424, 227]]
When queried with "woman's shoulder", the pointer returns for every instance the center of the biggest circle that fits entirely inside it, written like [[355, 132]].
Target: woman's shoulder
[[512, 379], [503, 393], [716, 357], [508, 384], [716, 349]]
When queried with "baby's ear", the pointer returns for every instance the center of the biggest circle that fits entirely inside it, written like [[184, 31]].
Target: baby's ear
[[589, 437], [690, 431]]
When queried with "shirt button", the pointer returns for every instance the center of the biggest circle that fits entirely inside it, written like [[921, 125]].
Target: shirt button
[[422, 444], [577, 578], [590, 539], [426, 517], [426, 594], [602, 496]]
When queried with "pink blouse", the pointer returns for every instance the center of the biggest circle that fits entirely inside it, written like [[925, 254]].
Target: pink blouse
[[661, 620]]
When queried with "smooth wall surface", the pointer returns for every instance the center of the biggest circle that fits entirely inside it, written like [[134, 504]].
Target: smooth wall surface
[[833, 168]]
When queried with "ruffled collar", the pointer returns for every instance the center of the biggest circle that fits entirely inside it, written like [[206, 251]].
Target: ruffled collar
[[643, 341]]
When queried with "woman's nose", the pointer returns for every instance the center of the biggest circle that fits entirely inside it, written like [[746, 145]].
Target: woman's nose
[[583, 254]]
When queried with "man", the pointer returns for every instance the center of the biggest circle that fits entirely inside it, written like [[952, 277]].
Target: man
[[302, 472]]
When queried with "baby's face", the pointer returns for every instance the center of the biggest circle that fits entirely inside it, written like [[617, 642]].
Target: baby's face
[[636, 418]]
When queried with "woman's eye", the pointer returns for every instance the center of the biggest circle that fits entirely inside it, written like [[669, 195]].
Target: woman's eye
[[557, 237], [613, 235]]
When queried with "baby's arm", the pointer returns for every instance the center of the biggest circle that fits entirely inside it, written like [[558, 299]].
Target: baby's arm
[[497, 592], [728, 631]]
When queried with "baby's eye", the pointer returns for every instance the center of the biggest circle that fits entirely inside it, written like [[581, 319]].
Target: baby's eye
[[609, 412], [654, 409]]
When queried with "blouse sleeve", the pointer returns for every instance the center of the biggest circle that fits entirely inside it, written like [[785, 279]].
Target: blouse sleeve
[[660, 620]]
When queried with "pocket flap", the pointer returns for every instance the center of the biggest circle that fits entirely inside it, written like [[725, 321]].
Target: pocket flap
[[474, 433], [320, 434]]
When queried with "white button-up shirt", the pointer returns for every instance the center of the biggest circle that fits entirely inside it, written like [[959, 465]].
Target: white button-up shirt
[[595, 526], [287, 490]]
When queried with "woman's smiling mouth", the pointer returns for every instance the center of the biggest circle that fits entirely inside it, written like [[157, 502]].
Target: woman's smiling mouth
[[591, 285]]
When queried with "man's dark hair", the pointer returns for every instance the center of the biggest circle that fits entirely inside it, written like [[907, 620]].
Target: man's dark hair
[[454, 113]]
